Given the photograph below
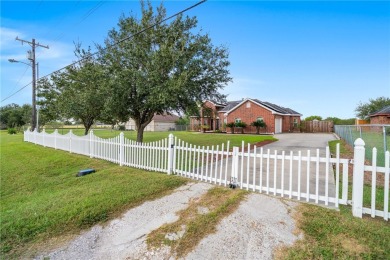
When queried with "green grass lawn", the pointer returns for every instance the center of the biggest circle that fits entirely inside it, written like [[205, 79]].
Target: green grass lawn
[[41, 197], [195, 138]]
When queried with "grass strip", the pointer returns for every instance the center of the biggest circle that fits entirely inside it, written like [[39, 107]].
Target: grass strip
[[330, 234], [197, 221], [194, 138]]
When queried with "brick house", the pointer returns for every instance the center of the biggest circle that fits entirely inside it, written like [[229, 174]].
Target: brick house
[[381, 117], [216, 115]]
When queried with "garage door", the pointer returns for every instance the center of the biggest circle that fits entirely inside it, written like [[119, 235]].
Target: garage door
[[278, 125]]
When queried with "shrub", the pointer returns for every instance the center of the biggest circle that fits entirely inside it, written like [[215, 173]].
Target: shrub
[[231, 126], [122, 128], [258, 124], [240, 124], [11, 131]]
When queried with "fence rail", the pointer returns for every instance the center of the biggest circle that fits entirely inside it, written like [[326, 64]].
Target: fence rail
[[304, 176]]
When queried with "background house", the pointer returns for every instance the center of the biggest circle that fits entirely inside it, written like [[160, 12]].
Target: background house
[[158, 123], [216, 115], [381, 116]]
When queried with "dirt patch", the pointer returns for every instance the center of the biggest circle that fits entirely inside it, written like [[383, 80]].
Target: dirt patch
[[351, 245]]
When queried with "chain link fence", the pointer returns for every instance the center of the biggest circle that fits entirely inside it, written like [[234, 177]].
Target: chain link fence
[[373, 135]]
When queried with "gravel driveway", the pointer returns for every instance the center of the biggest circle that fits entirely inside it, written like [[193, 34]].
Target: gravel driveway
[[253, 231]]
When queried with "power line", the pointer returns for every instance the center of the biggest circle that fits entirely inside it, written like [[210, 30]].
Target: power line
[[118, 42], [16, 92], [129, 37], [16, 85]]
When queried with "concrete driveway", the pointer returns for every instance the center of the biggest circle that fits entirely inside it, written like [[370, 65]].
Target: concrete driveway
[[301, 142], [312, 178]]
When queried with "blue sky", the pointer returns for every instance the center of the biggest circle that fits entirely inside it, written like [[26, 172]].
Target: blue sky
[[316, 57]]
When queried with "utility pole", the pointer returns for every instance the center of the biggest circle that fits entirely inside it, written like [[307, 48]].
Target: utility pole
[[31, 57]]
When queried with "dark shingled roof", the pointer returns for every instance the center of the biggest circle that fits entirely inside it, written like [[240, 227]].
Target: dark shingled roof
[[230, 105], [383, 111], [276, 108]]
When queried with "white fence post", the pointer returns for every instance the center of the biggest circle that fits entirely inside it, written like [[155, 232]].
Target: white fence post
[[358, 178], [235, 163], [171, 159], [90, 144], [121, 146]]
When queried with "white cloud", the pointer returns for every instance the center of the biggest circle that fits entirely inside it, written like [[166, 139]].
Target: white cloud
[[7, 39]]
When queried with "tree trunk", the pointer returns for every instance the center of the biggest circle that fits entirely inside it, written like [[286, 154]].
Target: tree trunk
[[86, 129], [257, 130], [87, 126], [140, 134]]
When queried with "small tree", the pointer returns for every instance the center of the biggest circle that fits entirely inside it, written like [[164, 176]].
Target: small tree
[[231, 126], [258, 124], [241, 125], [78, 92]]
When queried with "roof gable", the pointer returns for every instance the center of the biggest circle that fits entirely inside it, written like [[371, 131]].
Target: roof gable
[[275, 109]]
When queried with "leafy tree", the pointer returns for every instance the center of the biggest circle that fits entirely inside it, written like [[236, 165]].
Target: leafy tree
[[338, 121], [183, 120], [15, 116], [48, 106], [311, 118], [363, 111], [258, 124], [78, 92], [166, 68]]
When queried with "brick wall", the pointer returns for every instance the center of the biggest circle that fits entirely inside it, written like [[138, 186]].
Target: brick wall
[[250, 113], [381, 120]]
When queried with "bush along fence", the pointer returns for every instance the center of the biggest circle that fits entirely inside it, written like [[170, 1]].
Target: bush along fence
[[373, 135], [309, 176]]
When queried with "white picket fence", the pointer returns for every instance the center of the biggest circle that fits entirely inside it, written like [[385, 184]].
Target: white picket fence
[[304, 176]]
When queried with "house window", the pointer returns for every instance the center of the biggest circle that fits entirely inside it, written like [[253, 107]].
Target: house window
[[295, 122], [248, 104], [259, 119], [225, 120], [237, 120]]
